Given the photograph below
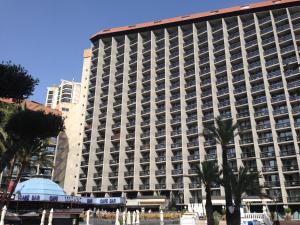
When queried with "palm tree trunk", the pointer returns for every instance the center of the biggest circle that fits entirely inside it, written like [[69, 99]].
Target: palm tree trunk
[[237, 212], [209, 208], [7, 156], [23, 166], [11, 169], [227, 187]]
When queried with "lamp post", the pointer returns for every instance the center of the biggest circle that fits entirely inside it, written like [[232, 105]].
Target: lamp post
[[275, 200], [180, 194]]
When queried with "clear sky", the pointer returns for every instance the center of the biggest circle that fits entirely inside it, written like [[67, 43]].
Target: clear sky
[[47, 37]]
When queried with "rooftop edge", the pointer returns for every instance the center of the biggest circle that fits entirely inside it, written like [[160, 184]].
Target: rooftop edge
[[191, 17]]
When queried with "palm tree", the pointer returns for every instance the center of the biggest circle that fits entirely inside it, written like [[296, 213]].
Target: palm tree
[[209, 176], [244, 183], [223, 133], [36, 154]]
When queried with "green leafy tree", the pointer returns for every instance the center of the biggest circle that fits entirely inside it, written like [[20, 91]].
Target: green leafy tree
[[28, 132], [27, 127], [223, 131], [16, 82], [209, 175], [244, 183]]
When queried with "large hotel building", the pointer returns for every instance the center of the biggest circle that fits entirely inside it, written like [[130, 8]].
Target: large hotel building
[[154, 86]]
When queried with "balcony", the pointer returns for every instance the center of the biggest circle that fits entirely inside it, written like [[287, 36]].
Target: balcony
[[84, 163], [177, 172], [290, 152], [159, 146], [81, 189], [98, 162], [96, 188], [265, 140], [177, 186], [191, 119], [293, 199], [256, 88], [239, 90], [160, 159], [246, 141], [211, 156], [259, 100], [145, 160], [193, 157], [272, 183], [194, 185], [113, 161], [82, 176], [224, 103], [256, 76], [266, 169], [176, 158], [263, 126], [287, 168], [193, 144], [129, 161], [112, 188], [261, 113], [285, 138], [295, 84], [175, 108], [246, 155], [160, 172], [282, 125], [128, 174], [160, 186], [145, 122], [241, 102], [128, 187], [113, 174], [280, 111], [292, 183], [176, 120], [192, 171], [278, 98], [144, 186], [243, 115], [210, 143], [176, 145], [267, 154], [145, 173], [192, 131], [274, 73], [129, 148]]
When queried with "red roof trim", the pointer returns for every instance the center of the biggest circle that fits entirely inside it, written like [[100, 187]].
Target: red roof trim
[[192, 16]]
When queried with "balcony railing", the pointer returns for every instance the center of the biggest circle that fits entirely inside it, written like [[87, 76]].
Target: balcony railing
[[267, 154], [269, 168], [177, 186], [160, 172], [177, 172]]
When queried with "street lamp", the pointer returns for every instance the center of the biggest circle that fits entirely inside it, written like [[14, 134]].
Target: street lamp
[[180, 195], [275, 200]]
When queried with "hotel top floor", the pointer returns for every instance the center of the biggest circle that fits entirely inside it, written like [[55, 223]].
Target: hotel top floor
[[213, 15]]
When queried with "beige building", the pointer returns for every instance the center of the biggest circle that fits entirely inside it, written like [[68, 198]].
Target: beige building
[[69, 147], [154, 86], [64, 96]]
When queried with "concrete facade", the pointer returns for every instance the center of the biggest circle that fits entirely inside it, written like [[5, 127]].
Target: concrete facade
[[152, 90], [69, 144]]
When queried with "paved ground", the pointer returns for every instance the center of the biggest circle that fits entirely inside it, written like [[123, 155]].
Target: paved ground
[[149, 222]]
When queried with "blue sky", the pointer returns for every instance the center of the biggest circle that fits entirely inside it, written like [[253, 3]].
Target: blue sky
[[47, 37]]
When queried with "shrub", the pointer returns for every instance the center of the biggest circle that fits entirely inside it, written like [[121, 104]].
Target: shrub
[[217, 217]]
